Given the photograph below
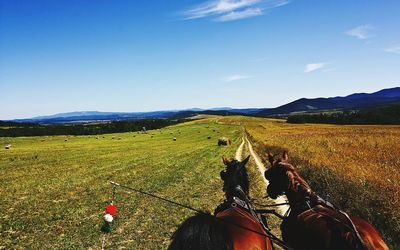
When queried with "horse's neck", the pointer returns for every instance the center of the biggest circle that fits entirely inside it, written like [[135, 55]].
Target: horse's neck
[[236, 193], [300, 197]]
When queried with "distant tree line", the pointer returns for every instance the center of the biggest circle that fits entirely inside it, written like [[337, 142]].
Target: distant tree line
[[381, 116], [17, 124], [24, 129]]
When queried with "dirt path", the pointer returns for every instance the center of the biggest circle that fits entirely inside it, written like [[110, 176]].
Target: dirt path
[[239, 151], [261, 169]]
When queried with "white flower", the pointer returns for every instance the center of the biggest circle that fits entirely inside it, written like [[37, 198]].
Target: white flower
[[108, 218]]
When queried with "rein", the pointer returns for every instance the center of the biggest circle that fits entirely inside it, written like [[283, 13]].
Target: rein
[[327, 204], [253, 212]]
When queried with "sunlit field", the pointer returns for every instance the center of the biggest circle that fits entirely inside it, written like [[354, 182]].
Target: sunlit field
[[54, 188], [355, 167]]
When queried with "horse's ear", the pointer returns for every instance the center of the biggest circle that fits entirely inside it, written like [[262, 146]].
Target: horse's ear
[[244, 162], [223, 175], [285, 156], [271, 158], [225, 160]]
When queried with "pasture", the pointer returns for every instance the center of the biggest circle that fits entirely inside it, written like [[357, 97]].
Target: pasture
[[54, 188]]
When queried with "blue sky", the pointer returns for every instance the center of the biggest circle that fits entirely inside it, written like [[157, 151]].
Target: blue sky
[[142, 55]]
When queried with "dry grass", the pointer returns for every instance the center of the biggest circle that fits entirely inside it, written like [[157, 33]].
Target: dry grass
[[356, 166]]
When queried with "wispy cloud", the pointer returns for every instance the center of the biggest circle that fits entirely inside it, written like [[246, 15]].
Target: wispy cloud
[[236, 77], [229, 10], [313, 67], [236, 15], [394, 49], [361, 32]]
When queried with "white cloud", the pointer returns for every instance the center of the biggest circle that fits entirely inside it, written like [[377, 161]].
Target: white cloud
[[229, 10], [394, 49], [313, 67], [236, 77], [361, 32], [236, 15]]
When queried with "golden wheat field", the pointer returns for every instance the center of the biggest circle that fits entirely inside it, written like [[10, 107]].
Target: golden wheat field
[[354, 166]]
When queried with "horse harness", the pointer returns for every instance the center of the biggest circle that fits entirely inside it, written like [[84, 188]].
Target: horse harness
[[311, 202], [243, 204]]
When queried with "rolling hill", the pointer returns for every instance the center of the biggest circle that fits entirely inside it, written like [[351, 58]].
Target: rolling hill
[[354, 101]]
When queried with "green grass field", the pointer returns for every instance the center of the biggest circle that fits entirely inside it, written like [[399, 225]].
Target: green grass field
[[54, 188]]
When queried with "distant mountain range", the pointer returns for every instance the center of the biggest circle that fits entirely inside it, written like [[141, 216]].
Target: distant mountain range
[[353, 101]]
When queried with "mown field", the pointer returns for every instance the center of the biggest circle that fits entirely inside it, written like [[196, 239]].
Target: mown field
[[54, 191], [54, 188], [356, 167]]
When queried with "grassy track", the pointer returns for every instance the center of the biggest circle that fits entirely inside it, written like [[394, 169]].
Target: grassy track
[[54, 191], [356, 166]]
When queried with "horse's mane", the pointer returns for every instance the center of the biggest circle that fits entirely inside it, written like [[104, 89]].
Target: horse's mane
[[202, 231], [295, 180]]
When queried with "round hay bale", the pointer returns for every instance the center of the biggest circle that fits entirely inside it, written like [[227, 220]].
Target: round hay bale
[[8, 146], [209, 137], [174, 139], [223, 141]]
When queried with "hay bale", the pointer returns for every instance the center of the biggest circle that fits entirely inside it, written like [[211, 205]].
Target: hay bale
[[8, 146], [224, 141], [209, 137], [174, 139]]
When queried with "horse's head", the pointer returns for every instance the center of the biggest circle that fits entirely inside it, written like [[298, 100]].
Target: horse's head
[[283, 177], [235, 175]]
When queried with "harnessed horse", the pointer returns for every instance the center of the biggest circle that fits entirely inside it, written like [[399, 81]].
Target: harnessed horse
[[311, 222], [234, 225]]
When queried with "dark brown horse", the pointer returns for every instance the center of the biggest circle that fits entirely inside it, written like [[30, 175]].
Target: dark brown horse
[[314, 223], [234, 224]]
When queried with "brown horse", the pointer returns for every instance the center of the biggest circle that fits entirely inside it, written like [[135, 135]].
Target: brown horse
[[312, 222], [235, 224]]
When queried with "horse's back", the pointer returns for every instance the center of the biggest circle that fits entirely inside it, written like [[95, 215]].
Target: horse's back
[[202, 231], [333, 231], [369, 235], [246, 232]]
